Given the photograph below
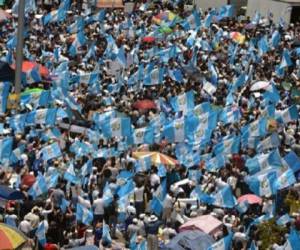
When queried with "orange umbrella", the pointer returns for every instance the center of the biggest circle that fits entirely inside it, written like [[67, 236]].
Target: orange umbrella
[[27, 66], [156, 158], [11, 238]]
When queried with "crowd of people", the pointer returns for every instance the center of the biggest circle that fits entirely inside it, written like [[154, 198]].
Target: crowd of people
[[143, 121]]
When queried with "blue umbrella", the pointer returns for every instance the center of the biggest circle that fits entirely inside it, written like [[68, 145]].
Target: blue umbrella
[[190, 239], [8, 193]]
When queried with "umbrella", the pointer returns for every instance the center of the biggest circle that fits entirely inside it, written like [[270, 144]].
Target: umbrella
[[259, 85], [144, 104], [156, 158], [251, 198], [11, 238], [32, 91], [8, 193], [27, 66], [205, 223], [148, 39], [193, 240], [28, 180], [237, 37]]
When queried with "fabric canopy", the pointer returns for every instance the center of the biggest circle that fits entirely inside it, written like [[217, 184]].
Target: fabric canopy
[[8, 193]]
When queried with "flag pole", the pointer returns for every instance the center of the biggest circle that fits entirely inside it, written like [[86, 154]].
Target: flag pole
[[20, 41]]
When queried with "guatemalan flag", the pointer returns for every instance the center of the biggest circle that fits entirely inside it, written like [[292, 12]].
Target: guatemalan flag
[[117, 127], [192, 22], [228, 146], [272, 141], [77, 26], [41, 233], [226, 11], [286, 60], [262, 184], [79, 41], [263, 161], [83, 214], [39, 187], [175, 131], [293, 240], [256, 128], [224, 198], [223, 244], [143, 164], [58, 15], [287, 115], [6, 145], [184, 102], [144, 135], [156, 76], [42, 116], [285, 180], [51, 151]]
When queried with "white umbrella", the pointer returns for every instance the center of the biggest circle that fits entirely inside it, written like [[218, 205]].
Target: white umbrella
[[259, 85]]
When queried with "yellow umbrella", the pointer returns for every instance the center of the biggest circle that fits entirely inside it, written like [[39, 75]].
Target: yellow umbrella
[[10, 237], [156, 158]]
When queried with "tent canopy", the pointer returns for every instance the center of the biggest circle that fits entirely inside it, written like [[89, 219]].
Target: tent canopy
[[193, 240]]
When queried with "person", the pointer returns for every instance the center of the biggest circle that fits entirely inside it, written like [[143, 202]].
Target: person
[[98, 231], [98, 206], [151, 229]]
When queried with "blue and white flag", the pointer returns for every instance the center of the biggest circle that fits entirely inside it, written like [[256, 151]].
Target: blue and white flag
[[224, 198], [175, 131], [190, 160], [144, 135], [121, 57], [286, 60], [226, 11], [239, 82], [293, 240], [36, 99], [154, 77], [77, 26], [52, 179], [183, 102], [285, 180], [51, 151], [228, 146], [176, 75], [88, 78], [192, 22], [263, 161], [272, 141], [42, 116], [292, 161], [70, 175], [215, 163], [230, 115], [213, 72], [106, 234], [6, 145], [30, 6], [275, 39], [41, 233], [117, 127], [242, 207], [271, 94], [98, 17], [17, 122], [31, 76], [126, 189], [262, 184], [143, 164], [64, 205], [256, 128], [39, 187], [79, 41], [83, 214], [54, 16], [287, 115], [4, 90], [283, 220], [16, 153], [263, 46], [223, 244]]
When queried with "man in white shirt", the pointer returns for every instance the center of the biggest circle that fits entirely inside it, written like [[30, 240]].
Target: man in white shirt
[[25, 227], [98, 206], [139, 199]]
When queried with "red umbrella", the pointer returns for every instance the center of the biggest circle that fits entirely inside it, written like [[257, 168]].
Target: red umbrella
[[251, 198], [28, 180], [27, 66], [144, 104], [148, 39]]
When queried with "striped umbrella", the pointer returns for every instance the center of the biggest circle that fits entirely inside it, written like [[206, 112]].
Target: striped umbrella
[[156, 158], [10, 237]]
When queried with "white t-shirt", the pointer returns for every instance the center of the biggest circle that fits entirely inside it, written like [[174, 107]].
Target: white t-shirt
[[139, 193], [98, 206], [25, 227], [154, 180]]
